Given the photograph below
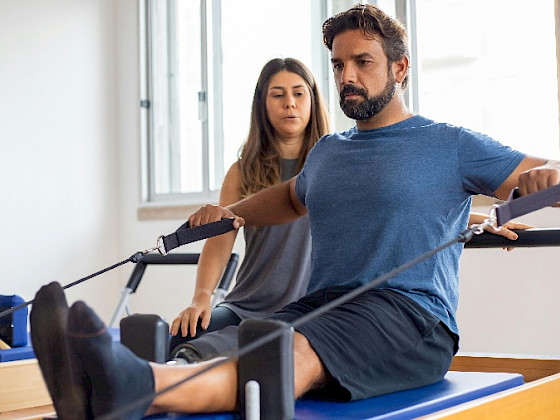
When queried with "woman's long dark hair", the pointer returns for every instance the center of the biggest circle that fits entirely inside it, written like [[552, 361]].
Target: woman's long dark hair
[[259, 159]]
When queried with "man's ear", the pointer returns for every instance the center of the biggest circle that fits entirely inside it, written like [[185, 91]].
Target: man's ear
[[400, 69]]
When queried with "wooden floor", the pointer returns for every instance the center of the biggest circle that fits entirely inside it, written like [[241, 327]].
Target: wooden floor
[[531, 367], [29, 413], [535, 400], [22, 388]]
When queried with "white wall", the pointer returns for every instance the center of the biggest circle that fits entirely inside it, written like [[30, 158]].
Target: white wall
[[69, 129], [58, 134], [510, 301]]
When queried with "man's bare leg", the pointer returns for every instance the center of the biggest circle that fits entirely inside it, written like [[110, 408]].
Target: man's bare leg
[[213, 391], [216, 390]]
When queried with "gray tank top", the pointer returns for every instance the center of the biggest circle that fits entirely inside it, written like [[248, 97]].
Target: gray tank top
[[277, 264]]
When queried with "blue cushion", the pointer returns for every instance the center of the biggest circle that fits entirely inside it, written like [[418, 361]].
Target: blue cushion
[[26, 352], [456, 388], [13, 328]]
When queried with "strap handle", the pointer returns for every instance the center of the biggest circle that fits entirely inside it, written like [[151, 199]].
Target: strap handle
[[518, 206], [185, 234]]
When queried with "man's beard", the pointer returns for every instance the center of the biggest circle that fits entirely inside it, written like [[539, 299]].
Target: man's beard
[[371, 105]]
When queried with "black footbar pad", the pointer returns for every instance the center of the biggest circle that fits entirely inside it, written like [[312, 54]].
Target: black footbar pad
[[147, 336], [271, 365]]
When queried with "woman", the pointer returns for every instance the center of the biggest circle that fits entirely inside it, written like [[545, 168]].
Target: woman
[[288, 117]]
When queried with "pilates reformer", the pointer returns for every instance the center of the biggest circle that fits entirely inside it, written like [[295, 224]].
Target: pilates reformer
[[467, 392], [281, 334]]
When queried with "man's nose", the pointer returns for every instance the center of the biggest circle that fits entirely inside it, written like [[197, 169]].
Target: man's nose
[[348, 75]]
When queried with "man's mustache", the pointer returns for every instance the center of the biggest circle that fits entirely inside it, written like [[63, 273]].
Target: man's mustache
[[346, 89]]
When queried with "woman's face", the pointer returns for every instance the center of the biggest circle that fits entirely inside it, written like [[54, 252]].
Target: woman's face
[[288, 105]]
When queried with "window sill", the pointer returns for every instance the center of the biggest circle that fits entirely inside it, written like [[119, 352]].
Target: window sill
[[161, 211], [484, 201]]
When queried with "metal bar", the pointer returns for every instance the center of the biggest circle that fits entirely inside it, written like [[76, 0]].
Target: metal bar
[[527, 239]]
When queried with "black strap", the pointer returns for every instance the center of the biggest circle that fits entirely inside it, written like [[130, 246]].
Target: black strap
[[185, 234], [518, 206], [134, 258], [181, 236]]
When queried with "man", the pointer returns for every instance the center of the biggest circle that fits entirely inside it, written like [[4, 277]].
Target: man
[[365, 191]]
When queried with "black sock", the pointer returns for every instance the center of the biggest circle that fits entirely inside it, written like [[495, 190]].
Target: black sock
[[48, 320], [118, 377]]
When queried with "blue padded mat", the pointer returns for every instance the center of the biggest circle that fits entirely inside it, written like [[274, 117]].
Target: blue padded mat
[[26, 352], [17, 353], [456, 388]]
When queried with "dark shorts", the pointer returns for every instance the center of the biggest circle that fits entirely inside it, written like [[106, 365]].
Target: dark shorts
[[379, 342]]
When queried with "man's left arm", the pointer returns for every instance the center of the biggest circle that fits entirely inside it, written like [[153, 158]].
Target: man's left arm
[[531, 175]]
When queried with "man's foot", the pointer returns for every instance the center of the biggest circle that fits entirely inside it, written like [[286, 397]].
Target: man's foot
[[119, 379], [48, 320]]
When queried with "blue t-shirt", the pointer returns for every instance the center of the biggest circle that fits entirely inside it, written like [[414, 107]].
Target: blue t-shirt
[[380, 198]]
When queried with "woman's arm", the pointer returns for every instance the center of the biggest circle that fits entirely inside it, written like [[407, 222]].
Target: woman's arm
[[211, 264]]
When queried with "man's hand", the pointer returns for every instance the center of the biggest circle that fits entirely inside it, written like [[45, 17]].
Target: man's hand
[[212, 213], [539, 178]]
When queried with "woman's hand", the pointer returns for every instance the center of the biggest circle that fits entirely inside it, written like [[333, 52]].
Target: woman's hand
[[187, 320], [507, 232]]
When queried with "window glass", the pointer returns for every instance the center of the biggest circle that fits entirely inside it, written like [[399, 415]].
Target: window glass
[[253, 32], [176, 134]]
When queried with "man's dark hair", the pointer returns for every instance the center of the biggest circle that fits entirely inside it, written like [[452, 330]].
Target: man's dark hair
[[372, 21]]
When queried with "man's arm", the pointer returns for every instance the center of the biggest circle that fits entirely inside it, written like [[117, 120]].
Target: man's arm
[[531, 175], [272, 206]]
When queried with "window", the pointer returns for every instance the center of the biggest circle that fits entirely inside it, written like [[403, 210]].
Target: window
[[177, 119], [488, 66], [201, 61]]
